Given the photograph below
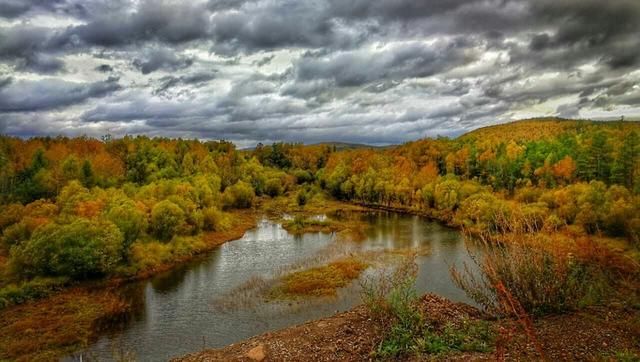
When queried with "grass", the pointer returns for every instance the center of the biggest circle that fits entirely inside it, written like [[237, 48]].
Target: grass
[[623, 356], [37, 288], [471, 336], [300, 225], [320, 281], [51, 328], [393, 302]]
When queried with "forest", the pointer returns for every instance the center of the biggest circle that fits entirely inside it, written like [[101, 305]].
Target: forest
[[85, 209]]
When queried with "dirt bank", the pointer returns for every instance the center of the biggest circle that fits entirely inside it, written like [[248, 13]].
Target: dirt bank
[[593, 334]]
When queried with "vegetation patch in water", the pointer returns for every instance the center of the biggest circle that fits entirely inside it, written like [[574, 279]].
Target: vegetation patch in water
[[320, 281]]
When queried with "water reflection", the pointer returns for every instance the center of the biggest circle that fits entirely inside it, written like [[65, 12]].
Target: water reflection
[[172, 313]]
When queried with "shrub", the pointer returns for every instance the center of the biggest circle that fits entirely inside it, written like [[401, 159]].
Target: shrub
[[303, 176], [214, 220], [480, 211], [240, 195], [273, 187], [29, 290], [10, 214], [301, 198], [79, 250], [521, 267], [166, 220], [15, 234], [446, 194], [131, 222]]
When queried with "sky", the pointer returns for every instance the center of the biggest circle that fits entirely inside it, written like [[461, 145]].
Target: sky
[[362, 71]]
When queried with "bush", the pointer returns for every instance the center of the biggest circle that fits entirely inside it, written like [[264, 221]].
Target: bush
[[240, 196], [166, 219], [15, 234], [79, 250], [10, 214], [446, 195], [392, 300], [301, 198], [481, 211], [131, 222], [30, 290], [521, 270], [303, 176], [214, 220], [273, 187]]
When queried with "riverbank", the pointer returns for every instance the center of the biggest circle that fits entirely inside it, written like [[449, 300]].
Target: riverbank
[[69, 319], [610, 333]]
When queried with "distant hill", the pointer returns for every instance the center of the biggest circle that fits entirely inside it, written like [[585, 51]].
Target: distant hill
[[539, 128], [340, 146], [347, 146]]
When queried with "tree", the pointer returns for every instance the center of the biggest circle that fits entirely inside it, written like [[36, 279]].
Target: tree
[[240, 196], [71, 168], [131, 222], [166, 220], [80, 249], [273, 187], [564, 169], [629, 159], [86, 175]]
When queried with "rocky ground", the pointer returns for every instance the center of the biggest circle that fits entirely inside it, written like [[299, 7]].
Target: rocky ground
[[593, 334]]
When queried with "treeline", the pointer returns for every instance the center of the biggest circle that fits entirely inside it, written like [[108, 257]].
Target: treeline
[[555, 173], [559, 173]]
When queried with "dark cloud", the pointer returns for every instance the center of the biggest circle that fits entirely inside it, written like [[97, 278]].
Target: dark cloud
[[46, 94], [167, 21], [194, 80], [104, 68], [272, 25], [161, 59], [40, 63], [400, 61]]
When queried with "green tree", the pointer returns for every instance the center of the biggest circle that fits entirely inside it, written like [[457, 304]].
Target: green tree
[[131, 222], [240, 195], [80, 249], [87, 175], [166, 220]]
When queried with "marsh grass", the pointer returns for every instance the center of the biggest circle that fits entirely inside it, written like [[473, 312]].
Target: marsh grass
[[320, 281], [48, 329], [320, 275]]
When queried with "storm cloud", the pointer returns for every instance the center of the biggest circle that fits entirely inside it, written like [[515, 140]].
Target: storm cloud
[[373, 71]]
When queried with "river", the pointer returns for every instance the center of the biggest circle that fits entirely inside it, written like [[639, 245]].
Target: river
[[174, 313]]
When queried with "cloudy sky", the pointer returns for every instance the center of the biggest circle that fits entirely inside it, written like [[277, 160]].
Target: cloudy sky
[[368, 71]]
